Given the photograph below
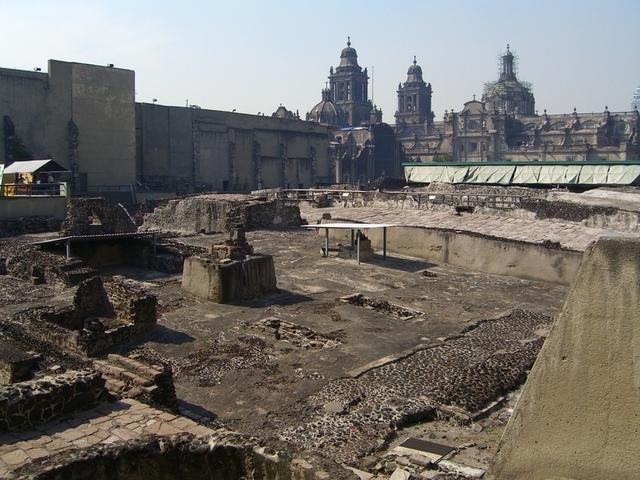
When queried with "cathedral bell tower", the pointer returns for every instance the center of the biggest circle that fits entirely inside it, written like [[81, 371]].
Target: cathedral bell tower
[[349, 88], [414, 100]]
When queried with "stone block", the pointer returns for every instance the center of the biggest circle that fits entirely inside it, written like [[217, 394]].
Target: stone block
[[15, 365]]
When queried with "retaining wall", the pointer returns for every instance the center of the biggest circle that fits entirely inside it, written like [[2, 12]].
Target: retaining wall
[[579, 411], [476, 252], [25, 404]]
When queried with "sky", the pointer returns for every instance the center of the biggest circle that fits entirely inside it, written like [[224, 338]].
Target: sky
[[255, 55]]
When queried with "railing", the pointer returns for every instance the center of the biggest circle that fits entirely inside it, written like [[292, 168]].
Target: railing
[[57, 189], [419, 199]]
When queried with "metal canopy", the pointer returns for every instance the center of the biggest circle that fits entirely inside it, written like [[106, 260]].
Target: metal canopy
[[350, 226], [355, 239], [33, 166]]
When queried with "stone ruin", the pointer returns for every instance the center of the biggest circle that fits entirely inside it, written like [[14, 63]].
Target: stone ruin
[[230, 271], [93, 318], [219, 213], [224, 455], [96, 216]]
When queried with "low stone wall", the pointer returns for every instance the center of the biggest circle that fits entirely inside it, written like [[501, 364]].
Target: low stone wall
[[35, 265], [130, 302], [220, 213], [23, 405], [227, 281], [86, 325], [594, 216], [534, 261], [224, 456]]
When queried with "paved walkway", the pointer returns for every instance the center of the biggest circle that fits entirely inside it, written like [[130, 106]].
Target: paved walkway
[[570, 235], [108, 423]]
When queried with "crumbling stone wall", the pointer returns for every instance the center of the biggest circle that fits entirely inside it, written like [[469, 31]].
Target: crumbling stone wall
[[220, 213], [34, 265], [94, 216], [224, 456], [86, 325], [130, 302], [25, 404]]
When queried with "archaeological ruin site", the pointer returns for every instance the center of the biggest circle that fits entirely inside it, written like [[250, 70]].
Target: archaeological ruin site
[[442, 332], [195, 285]]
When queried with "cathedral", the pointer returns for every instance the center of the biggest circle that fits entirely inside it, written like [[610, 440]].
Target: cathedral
[[503, 125]]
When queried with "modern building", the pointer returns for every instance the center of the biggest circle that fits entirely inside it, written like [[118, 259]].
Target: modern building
[[82, 116], [86, 119]]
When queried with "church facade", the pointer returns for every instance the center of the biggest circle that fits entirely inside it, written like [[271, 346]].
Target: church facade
[[503, 125]]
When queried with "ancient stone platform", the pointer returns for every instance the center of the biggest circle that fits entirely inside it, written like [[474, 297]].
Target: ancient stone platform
[[567, 234]]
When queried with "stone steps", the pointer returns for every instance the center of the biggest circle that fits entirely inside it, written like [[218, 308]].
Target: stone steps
[[135, 366], [129, 378]]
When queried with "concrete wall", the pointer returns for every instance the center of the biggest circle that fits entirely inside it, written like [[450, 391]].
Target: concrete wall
[[99, 100], [55, 207], [103, 109], [226, 150], [23, 98], [476, 252], [579, 413]]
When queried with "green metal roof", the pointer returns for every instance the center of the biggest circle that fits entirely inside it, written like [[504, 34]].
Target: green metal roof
[[515, 164]]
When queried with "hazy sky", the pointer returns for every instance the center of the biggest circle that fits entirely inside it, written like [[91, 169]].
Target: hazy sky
[[255, 55]]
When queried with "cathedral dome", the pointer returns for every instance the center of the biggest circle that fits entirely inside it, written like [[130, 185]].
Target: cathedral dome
[[325, 112], [349, 56], [414, 74]]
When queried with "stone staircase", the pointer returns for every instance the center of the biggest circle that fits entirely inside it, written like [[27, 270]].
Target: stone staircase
[[127, 377], [75, 271]]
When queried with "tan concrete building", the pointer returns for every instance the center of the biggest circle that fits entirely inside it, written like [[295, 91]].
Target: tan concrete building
[[180, 148], [83, 116]]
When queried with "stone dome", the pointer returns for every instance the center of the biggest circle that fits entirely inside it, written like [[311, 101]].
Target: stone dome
[[324, 113], [414, 74], [348, 56]]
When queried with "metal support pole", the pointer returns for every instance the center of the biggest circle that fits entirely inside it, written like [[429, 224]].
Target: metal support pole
[[67, 246], [352, 239], [326, 242], [358, 246], [155, 247], [384, 243]]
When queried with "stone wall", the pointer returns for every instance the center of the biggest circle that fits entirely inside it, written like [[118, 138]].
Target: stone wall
[[86, 324], [96, 216], [32, 264], [577, 416], [231, 280], [220, 213], [130, 302], [223, 456], [25, 404]]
